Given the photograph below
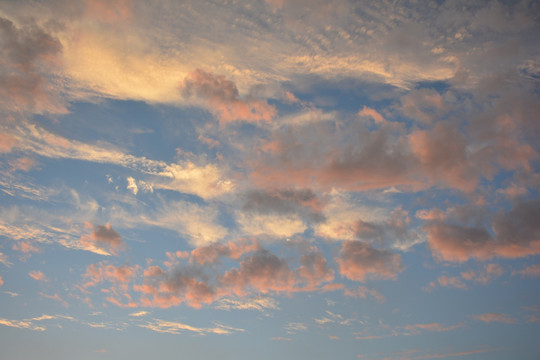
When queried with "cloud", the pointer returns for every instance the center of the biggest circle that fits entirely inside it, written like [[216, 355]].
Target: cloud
[[28, 52], [259, 303], [4, 260], [495, 317], [443, 156], [302, 202], [102, 237], [1, 281], [372, 113], [173, 327], [205, 180], [516, 234], [139, 313], [222, 98], [359, 261], [262, 272], [21, 324], [162, 289], [415, 329], [38, 275], [274, 225], [531, 271], [490, 272], [233, 250], [294, 327], [363, 292]]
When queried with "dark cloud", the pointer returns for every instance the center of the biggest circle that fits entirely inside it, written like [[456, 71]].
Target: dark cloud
[[513, 234], [222, 98], [303, 202], [359, 261], [27, 54]]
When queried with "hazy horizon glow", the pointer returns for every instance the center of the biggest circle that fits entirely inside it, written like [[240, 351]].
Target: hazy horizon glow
[[269, 179]]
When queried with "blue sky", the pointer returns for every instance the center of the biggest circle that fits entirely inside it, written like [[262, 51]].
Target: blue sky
[[293, 179]]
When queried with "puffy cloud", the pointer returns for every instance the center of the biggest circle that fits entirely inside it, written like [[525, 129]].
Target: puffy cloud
[[222, 97], [1, 281], [372, 113], [162, 289], [443, 156], [516, 234], [262, 272], [359, 261], [233, 250], [104, 238], [423, 105], [495, 317]]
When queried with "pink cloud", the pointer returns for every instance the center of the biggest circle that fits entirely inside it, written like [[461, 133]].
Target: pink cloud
[[532, 270], [495, 317], [1, 281], [7, 142], [103, 237], [516, 235], [234, 250], [261, 272], [490, 272], [38, 275], [25, 247], [23, 164], [161, 289], [100, 272], [222, 98], [363, 292], [443, 156], [449, 281], [55, 297], [359, 260]]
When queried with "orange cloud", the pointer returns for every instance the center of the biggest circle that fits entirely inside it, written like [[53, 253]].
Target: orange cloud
[[38, 275], [495, 317], [222, 98], [104, 238], [359, 260]]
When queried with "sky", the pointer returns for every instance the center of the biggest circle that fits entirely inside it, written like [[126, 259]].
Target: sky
[[294, 179]]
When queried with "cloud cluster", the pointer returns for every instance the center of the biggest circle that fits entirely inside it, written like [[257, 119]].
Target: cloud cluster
[[222, 98], [516, 234], [360, 261]]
